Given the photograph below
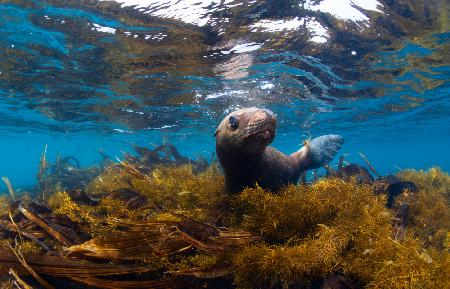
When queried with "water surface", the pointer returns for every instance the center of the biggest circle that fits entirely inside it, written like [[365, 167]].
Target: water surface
[[105, 75]]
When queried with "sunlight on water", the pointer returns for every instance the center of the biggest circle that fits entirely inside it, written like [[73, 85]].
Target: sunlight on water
[[107, 75]]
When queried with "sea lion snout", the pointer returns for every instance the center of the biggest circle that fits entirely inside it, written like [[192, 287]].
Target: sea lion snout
[[263, 119], [261, 127], [249, 130], [264, 115], [242, 144]]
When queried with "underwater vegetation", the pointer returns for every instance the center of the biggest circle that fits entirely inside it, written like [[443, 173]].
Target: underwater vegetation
[[158, 220]]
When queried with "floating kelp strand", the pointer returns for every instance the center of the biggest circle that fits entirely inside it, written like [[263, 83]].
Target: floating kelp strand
[[369, 164], [42, 168], [10, 187]]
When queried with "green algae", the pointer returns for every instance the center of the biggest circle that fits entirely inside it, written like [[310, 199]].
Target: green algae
[[291, 239]]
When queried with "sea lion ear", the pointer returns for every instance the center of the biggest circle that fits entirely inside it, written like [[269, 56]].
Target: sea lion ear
[[215, 133]]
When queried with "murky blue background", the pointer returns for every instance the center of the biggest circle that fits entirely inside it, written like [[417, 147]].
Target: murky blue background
[[106, 75]]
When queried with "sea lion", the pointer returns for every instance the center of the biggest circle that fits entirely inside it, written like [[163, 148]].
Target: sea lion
[[242, 146]]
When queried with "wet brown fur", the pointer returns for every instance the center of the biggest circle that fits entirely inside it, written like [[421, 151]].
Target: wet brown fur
[[246, 157]]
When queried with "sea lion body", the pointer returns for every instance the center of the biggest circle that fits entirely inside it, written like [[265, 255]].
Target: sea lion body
[[242, 146]]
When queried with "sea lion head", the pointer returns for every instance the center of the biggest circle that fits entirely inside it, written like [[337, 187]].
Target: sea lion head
[[246, 130]]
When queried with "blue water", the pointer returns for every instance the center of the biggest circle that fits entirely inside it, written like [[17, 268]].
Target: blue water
[[106, 76]]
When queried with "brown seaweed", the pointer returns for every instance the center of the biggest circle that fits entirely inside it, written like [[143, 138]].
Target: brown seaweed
[[62, 267], [170, 226], [163, 283], [165, 154], [64, 174], [361, 174], [42, 224], [372, 169], [27, 267], [18, 281]]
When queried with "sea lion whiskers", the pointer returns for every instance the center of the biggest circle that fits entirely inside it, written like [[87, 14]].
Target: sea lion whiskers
[[248, 130], [241, 134], [247, 158]]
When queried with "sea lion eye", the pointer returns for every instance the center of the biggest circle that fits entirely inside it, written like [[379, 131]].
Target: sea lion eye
[[234, 123]]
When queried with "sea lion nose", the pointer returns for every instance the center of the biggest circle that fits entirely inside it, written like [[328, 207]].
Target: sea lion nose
[[268, 112], [263, 115], [270, 115]]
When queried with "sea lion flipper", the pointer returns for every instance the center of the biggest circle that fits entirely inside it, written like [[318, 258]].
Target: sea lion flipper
[[323, 149], [242, 144]]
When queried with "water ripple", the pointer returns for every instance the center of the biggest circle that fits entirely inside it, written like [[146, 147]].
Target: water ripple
[[128, 67]]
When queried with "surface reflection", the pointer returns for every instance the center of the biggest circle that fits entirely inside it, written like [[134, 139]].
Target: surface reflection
[[134, 65]]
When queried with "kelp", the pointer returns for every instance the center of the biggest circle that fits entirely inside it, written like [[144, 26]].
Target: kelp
[[311, 229], [167, 186], [65, 174], [28, 268], [158, 220], [333, 226], [429, 208], [296, 210], [4, 207]]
